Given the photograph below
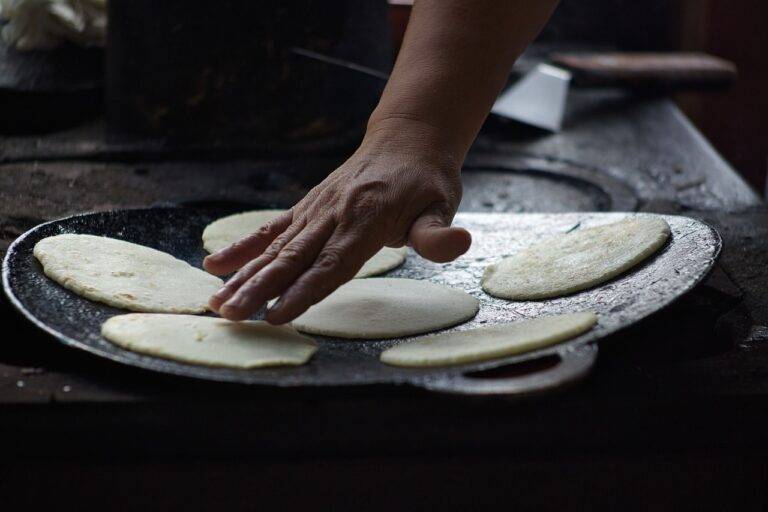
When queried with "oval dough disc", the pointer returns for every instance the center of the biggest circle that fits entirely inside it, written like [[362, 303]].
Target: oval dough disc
[[387, 308], [575, 261], [384, 260], [228, 230], [209, 341], [492, 342], [125, 275]]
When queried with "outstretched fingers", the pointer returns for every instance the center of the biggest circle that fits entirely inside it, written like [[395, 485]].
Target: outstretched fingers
[[241, 252], [254, 266], [338, 262], [272, 279]]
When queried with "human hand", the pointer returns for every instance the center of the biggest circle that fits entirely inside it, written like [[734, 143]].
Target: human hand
[[401, 186]]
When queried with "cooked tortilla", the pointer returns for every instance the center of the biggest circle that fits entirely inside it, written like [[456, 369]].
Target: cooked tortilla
[[209, 341], [491, 342], [125, 275], [228, 230], [387, 308], [571, 262]]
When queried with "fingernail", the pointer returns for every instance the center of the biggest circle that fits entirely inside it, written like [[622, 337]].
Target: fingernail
[[229, 313], [235, 302], [277, 305], [221, 294], [219, 301], [273, 314]]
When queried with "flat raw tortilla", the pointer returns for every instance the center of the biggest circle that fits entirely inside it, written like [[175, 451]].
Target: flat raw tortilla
[[492, 342], [378, 308], [125, 275], [575, 261], [209, 341], [228, 230], [383, 261]]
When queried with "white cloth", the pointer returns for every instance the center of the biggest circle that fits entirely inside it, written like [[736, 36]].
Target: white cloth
[[45, 24]]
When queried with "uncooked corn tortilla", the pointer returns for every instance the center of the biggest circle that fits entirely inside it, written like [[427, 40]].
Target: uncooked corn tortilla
[[383, 261], [376, 308], [209, 341], [228, 230], [571, 262], [491, 342], [125, 275]]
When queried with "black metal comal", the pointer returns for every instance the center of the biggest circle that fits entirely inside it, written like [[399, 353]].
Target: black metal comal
[[683, 262]]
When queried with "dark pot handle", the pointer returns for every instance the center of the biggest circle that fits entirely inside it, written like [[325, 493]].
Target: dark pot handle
[[570, 366]]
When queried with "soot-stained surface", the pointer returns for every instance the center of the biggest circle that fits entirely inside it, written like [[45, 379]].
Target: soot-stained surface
[[75, 321]]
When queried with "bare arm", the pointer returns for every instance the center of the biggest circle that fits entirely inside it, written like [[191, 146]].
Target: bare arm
[[402, 184], [455, 59]]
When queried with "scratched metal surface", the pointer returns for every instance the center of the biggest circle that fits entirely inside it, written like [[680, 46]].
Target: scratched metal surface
[[76, 322]]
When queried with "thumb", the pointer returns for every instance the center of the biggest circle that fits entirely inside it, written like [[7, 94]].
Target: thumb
[[432, 236]]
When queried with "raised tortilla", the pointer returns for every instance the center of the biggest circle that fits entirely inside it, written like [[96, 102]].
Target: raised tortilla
[[491, 342], [378, 307], [228, 230], [575, 261], [125, 275], [209, 341]]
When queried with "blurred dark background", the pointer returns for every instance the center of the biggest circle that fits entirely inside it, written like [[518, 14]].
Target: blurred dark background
[[735, 120]]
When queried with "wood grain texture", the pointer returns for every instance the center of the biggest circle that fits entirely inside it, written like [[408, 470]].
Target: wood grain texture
[[655, 71]]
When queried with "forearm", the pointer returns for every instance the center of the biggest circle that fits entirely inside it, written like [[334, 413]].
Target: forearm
[[403, 183], [454, 61]]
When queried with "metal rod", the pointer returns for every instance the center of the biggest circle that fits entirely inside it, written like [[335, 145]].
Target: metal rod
[[340, 63]]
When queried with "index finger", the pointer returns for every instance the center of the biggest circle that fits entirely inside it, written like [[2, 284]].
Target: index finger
[[343, 255], [235, 256]]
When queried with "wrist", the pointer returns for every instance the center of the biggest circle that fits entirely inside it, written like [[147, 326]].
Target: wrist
[[413, 138]]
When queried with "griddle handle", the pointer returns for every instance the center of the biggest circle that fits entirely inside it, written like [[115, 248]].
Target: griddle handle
[[572, 365], [648, 71]]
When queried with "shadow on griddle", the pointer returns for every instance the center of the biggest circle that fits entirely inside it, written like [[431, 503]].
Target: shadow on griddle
[[516, 369]]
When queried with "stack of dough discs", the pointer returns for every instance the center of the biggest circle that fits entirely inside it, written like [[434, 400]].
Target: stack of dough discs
[[228, 230], [492, 342], [209, 341], [575, 261], [378, 308], [125, 275]]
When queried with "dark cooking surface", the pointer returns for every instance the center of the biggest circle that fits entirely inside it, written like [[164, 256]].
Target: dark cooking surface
[[678, 266], [694, 377], [514, 184]]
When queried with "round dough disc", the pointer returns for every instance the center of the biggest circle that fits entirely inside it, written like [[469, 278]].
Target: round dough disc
[[384, 260], [125, 275], [492, 342], [378, 308], [209, 341], [575, 261], [228, 230]]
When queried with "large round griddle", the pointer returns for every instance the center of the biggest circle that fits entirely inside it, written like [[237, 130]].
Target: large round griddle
[[678, 266]]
